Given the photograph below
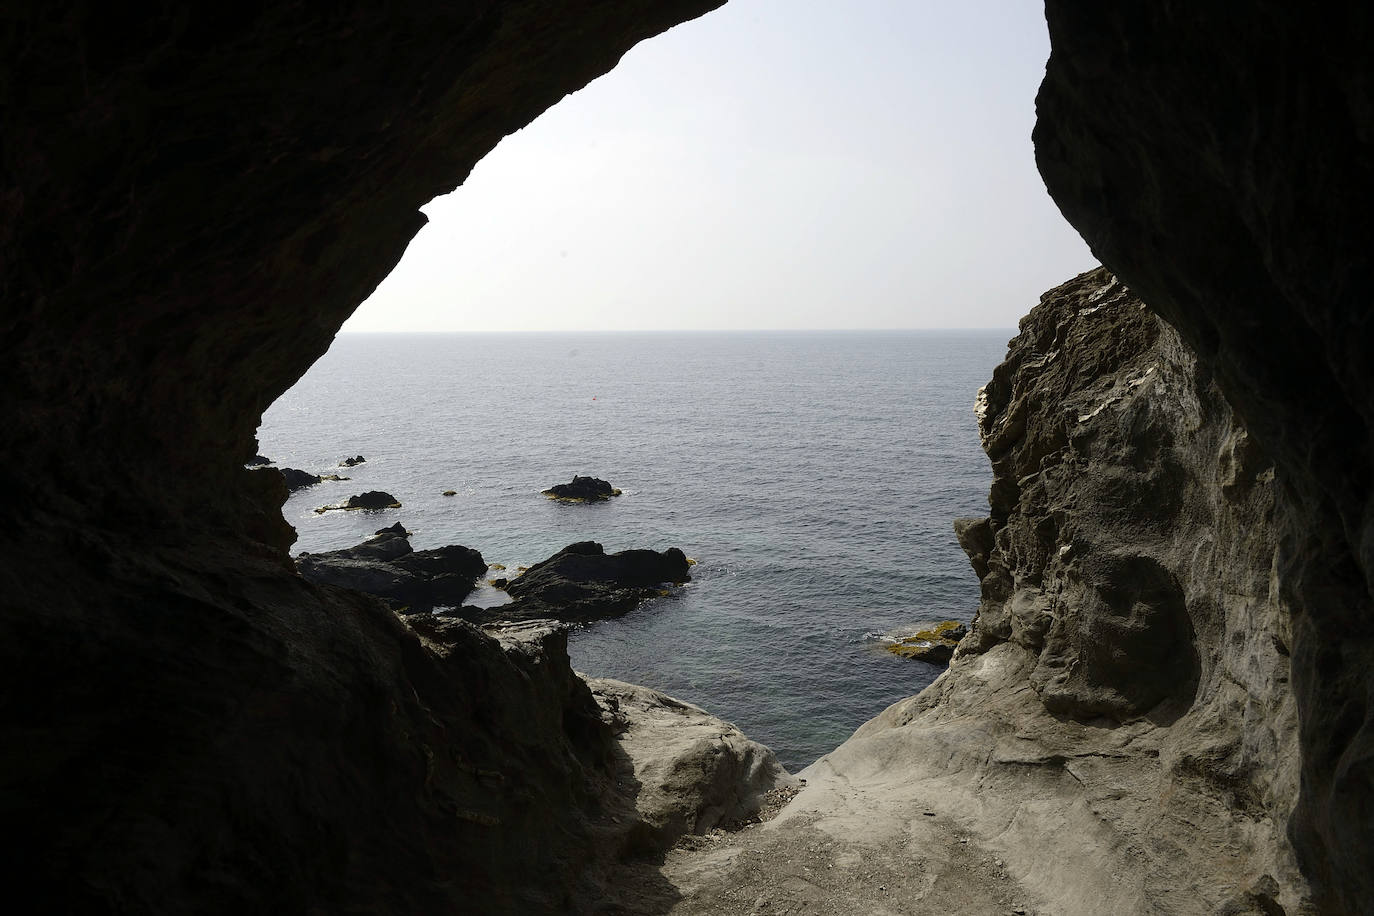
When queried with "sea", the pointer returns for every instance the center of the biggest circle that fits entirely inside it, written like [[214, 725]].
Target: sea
[[813, 476]]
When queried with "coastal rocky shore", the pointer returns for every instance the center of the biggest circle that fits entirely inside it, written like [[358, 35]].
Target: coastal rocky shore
[[194, 202], [1115, 734], [579, 583]]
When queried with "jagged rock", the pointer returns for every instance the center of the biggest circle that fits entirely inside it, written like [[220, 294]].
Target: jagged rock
[[1117, 726], [583, 582], [582, 489], [257, 461], [694, 772], [386, 566], [352, 462], [296, 480], [1220, 165]]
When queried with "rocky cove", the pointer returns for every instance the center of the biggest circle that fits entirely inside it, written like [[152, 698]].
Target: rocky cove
[[1163, 705]]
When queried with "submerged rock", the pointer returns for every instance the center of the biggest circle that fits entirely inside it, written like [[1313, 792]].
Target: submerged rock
[[387, 566], [583, 582], [582, 489], [351, 462]]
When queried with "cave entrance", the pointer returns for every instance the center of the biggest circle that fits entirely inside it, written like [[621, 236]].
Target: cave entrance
[[723, 278]]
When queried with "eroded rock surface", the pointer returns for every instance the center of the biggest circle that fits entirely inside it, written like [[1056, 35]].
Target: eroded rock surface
[[1117, 732], [1222, 164], [690, 771]]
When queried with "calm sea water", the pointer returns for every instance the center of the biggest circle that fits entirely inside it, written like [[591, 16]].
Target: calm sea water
[[813, 475]]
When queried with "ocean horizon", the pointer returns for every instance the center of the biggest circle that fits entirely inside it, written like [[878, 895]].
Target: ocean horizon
[[814, 475]]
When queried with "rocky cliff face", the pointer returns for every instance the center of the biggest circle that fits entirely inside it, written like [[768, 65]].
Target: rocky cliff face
[[1221, 163], [1117, 732], [1128, 571], [191, 203]]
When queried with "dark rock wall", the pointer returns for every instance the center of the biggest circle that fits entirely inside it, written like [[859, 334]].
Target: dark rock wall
[[1219, 160], [192, 200]]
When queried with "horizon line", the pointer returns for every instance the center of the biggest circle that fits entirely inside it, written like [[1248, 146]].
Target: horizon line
[[1011, 328]]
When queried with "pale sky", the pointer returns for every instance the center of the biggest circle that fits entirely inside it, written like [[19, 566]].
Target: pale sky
[[774, 164]]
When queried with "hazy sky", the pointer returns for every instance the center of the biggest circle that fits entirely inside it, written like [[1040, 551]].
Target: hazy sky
[[774, 164]]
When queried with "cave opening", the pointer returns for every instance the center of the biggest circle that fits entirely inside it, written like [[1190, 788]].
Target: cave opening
[[684, 271], [194, 201]]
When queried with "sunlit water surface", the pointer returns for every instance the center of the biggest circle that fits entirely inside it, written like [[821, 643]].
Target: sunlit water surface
[[813, 475]]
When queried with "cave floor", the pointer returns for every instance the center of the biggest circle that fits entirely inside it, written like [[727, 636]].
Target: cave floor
[[864, 854]]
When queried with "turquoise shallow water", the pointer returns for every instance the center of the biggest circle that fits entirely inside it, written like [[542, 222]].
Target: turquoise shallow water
[[813, 475]]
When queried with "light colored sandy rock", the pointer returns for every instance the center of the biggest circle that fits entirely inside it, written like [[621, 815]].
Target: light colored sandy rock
[[1117, 733], [689, 771]]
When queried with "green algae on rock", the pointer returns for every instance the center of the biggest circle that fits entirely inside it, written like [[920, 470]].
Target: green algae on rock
[[934, 644]]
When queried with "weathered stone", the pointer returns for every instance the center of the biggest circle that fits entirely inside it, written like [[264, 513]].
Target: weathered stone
[[1220, 164], [694, 772], [1118, 727]]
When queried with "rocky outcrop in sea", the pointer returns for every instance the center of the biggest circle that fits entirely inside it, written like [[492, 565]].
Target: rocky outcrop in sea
[[387, 566], [582, 490], [582, 582]]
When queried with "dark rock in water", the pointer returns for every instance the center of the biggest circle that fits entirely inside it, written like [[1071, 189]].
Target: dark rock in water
[[351, 462], [257, 461], [296, 480], [583, 582], [385, 565], [450, 492], [582, 489], [500, 582], [372, 499]]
